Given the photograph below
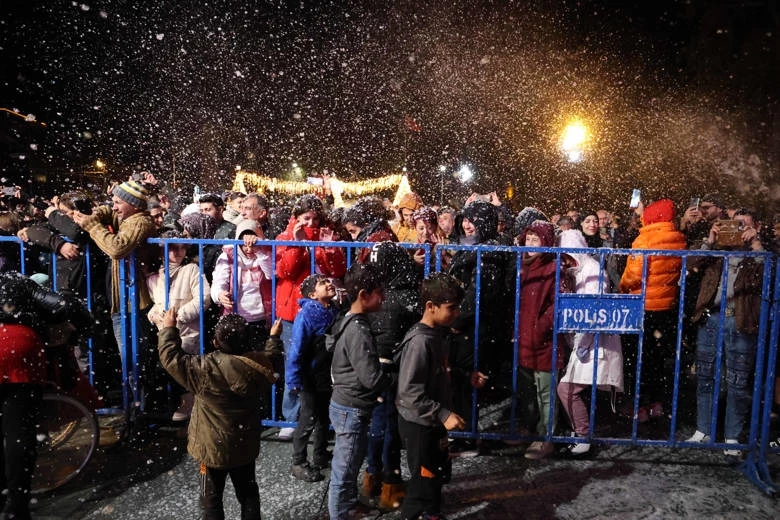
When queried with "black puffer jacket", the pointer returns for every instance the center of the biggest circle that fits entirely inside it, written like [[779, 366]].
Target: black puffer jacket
[[497, 284], [401, 307]]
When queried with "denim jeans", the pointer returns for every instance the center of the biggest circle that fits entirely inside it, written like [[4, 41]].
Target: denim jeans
[[535, 385], [291, 406], [351, 427], [384, 442], [739, 353]]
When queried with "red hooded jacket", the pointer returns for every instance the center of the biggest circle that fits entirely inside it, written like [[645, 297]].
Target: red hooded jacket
[[293, 266]]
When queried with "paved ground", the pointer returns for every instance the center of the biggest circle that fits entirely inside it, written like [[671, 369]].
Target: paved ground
[[153, 478]]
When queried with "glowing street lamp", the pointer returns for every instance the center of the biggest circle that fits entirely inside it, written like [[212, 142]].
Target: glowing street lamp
[[573, 140], [465, 174]]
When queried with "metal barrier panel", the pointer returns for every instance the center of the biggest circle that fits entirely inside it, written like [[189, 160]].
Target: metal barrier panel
[[604, 313]]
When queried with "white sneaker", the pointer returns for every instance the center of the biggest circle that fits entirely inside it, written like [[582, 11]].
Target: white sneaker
[[286, 433], [580, 449], [732, 453], [698, 437]]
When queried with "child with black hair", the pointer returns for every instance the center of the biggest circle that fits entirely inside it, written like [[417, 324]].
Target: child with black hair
[[229, 386], [424, 398], [358, 381], [307, 375]]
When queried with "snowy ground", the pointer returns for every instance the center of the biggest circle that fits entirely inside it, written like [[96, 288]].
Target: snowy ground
[[153, 478]]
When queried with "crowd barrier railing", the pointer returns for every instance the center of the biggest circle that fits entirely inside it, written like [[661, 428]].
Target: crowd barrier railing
[[607, 312]]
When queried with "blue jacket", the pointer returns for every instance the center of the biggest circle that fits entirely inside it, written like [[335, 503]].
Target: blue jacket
[[308, 364]]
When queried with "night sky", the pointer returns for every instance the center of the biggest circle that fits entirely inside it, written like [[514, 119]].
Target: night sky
[[680, 97]]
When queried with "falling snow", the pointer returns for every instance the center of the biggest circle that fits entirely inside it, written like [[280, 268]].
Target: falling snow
[[672, 109]]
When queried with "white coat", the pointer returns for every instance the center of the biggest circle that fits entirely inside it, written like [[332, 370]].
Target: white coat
[[185, 296], [610, 352]]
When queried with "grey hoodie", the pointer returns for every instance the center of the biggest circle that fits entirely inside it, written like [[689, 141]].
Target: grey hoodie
[[358, 379], [424, 394]]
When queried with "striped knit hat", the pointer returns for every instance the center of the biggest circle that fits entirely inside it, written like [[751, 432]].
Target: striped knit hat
[[133, 193]]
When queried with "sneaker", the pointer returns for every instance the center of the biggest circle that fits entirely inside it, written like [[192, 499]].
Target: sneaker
[[732, 453], [539, 450], [698, 437], [580, 449], [286, 433], [305, 473]]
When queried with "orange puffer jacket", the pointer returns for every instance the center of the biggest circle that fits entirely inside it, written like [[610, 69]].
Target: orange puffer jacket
[[663, 272]]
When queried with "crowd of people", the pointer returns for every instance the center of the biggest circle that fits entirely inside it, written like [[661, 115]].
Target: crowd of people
[[379, 352]]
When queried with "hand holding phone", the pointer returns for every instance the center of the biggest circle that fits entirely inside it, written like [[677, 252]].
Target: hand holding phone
[[636, 198]]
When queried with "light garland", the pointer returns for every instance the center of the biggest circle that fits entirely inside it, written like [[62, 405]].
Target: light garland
[[246, 182]]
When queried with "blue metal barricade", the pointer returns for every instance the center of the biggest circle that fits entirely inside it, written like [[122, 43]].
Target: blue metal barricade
[[597, 314]]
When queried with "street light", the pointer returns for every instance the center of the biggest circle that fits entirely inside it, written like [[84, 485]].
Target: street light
[[573, 140], [465, 174]]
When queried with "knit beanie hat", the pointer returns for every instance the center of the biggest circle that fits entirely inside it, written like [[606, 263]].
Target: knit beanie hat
[[659, 211], [426, 214], [544, 230], [527, 216], [133, 193]]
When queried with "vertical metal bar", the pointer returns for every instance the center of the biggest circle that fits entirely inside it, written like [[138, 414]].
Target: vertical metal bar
[[90, 341], [516, 340], [202, 306], [554, 365], [769, 383], [22, 259], [755, 411], [437, 255], [427, 264], [719, 354], [640, 347], [678, 349], [132, 296], [477, 310], [124, 349], [273, 283]]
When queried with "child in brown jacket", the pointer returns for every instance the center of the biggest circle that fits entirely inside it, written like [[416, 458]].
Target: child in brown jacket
[[229, 385]]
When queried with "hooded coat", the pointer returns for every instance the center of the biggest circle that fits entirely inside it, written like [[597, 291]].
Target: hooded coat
[[376, 231], [585, 275], [293, 265], [537, 303], [663, 272], [401, 307], [497, 280], [225, 424], [424, 392], [254, 278], [358, 379]]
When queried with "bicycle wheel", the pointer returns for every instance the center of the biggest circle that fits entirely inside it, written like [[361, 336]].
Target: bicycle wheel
[[68, 434]]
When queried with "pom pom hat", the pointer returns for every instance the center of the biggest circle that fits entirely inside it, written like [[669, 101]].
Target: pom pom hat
[[133, 193]]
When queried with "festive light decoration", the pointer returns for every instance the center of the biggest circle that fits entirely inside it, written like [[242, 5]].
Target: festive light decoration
[[246, 182]]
